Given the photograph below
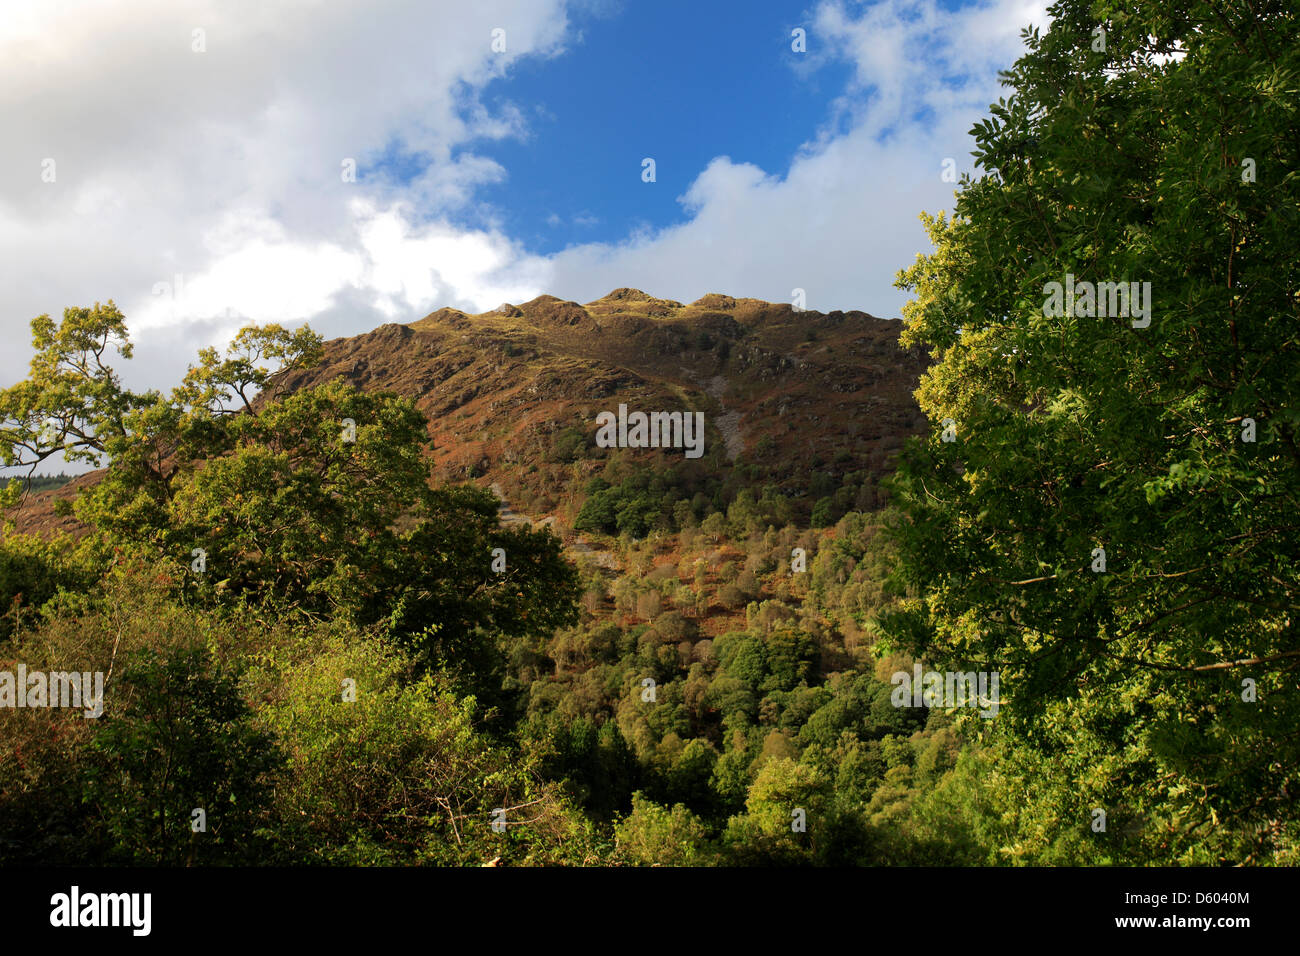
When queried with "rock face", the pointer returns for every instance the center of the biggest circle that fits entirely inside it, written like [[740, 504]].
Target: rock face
[[816, 385], [512, 394]]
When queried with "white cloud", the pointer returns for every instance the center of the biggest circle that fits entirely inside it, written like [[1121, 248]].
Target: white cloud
[[224, 166], [411, 267]]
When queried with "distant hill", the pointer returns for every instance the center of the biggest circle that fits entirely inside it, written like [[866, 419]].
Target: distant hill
[[808, 404], [38, 482]]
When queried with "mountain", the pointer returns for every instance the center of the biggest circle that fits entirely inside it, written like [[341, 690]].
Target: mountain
[[793, 401]]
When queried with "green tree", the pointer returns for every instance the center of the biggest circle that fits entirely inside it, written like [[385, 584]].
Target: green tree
[[785, 817], [389, 770], [652, 834], [823, 513], [315, 500], [1102, 528], [176, 738]]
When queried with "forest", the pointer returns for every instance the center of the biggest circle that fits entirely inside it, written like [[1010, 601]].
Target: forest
[[316, 653]]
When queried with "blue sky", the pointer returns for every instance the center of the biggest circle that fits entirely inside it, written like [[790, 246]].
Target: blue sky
[[681, 82], [201, 187]]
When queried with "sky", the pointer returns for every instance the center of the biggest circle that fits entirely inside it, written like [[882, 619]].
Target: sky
[[192, 161]]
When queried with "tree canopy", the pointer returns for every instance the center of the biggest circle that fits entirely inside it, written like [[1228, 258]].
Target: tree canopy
[[1106, 508]]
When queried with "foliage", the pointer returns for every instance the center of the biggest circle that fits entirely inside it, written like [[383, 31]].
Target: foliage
[[1168, 676], [179, 740], [344, 663]]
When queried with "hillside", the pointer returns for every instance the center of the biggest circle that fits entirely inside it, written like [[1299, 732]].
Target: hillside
[[808, 403], [513, 394]]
